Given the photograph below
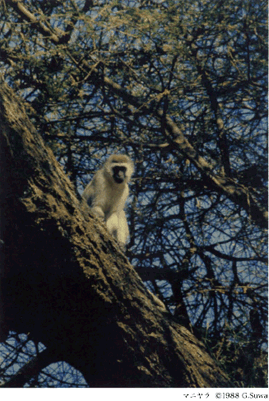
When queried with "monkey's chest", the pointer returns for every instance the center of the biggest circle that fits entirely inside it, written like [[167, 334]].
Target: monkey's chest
[[113, 202]]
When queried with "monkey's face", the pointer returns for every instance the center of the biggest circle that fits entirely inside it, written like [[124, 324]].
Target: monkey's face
[[119, 174], [118, 169]]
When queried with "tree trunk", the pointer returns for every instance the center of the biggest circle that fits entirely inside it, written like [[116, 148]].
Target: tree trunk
[[65, 281]]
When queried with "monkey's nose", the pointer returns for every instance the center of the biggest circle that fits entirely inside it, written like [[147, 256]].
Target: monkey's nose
[[119, 177]]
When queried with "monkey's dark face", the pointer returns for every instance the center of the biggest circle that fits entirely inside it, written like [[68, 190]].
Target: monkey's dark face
[[119, 174]]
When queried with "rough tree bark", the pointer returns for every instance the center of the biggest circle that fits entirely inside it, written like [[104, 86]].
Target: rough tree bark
[[223, 183], [65, 281]]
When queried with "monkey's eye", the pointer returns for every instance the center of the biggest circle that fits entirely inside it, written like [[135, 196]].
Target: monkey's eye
[[119, 174]]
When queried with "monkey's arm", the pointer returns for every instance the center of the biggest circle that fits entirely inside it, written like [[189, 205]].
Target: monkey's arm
[[88, 193], [93, 198]]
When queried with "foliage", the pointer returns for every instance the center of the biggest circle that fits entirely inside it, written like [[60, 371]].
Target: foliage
[[181, 87]]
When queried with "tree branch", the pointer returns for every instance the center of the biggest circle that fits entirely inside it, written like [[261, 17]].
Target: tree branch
[[65, 281], [55, 35], [226, 186], [32, 368], [237, 193]]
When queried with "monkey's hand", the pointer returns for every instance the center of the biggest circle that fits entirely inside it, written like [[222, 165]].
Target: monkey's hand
[[97, 210]]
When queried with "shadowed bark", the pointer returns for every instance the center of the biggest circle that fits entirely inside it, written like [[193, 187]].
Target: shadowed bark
[[65, 281]]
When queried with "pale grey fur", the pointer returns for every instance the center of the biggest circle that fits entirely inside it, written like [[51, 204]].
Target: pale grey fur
[[107, 198]]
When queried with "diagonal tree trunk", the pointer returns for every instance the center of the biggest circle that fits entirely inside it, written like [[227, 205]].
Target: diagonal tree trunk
[[64, 279], [223, 184]]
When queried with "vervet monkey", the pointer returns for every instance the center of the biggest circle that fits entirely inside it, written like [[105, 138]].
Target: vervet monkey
[[107, 193]]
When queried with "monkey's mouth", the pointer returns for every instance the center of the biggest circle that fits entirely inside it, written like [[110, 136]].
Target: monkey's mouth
[[119, 174], [118, 179]]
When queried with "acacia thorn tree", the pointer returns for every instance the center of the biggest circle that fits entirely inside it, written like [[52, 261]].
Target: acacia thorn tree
[[181, 87]]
